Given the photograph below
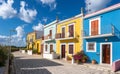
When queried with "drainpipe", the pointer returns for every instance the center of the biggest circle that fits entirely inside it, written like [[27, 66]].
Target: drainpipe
[[82, 12]]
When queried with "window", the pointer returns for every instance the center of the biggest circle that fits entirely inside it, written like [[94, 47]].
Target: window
[[50, 33], [71, 30], [71, 48], [46, 47], [95, 26], [91, 47]]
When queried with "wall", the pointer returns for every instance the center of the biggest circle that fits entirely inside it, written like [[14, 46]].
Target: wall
[[112, 17], [78, 35]]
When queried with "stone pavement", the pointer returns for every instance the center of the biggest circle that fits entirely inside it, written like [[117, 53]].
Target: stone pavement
[[35, 64]]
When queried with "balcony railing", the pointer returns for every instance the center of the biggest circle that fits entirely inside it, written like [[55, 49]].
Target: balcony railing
[[105, 31], [64, 35], [48, 37], [60, 35]]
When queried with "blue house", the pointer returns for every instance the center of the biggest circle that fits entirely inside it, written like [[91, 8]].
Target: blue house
[[102, 35], [49, 40]]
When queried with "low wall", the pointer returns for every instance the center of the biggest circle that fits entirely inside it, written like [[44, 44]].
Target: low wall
[[49, 56], [116, 65]]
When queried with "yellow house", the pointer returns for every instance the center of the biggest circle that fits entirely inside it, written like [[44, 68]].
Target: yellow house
[[34, 41], [38, 45], [69, 37]]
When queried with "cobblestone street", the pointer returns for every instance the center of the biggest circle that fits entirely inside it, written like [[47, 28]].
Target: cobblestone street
[[27, 64]]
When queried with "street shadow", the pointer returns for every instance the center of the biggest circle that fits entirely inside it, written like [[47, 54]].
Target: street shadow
[[36, 71], [33, 63]]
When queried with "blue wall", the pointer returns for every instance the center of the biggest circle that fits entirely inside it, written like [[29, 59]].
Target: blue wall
[[112, 17]]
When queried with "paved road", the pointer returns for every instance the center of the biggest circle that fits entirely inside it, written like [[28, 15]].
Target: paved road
[[26, 64]]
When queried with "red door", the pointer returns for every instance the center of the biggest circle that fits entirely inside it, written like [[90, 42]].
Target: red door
[[63, 51], [106, 53], [94, 27]]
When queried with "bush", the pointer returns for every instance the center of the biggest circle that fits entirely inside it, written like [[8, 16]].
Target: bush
[[34, 51], [3, 55]]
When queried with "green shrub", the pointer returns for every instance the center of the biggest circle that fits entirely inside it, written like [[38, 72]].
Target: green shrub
[[3, 55], [34, 51]]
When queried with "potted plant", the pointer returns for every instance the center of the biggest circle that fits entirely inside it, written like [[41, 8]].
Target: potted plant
[[84, 58], [93, 61]]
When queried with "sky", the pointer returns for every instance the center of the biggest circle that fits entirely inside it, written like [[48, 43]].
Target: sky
[[19, 17]]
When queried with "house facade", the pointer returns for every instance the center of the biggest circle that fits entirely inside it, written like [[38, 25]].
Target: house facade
[[49, 39], [102, 35], [34, 41], [69, 37]]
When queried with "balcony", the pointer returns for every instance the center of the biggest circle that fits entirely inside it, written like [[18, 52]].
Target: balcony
[[48, 37], [63, 36], [105, 31]]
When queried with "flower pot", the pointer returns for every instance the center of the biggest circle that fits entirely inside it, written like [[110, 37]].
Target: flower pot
[[83, 60], [93, 61]]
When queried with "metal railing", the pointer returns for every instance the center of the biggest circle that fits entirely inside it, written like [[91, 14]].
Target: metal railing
[[106, 29]]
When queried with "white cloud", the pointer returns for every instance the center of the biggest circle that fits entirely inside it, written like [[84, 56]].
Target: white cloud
[[17, 39], [44, 19], [51, 3], [93, 5], [38, 27], [27, 15], [6, 9]]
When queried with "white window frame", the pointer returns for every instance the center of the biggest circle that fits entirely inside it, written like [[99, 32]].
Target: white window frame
[[95, 46], [73, 27], [111, 52], [99, 23], [47, 48], [73, 47]]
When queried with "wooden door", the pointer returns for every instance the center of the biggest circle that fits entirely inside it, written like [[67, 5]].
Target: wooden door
[[42, 48], [71, 30], [94, 27], [106, 53], [51, 48], [63, 51], [63, 32], [50, 33]]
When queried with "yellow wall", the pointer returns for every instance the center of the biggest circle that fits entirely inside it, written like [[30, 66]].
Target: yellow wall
[[38, 41], [31, 35], [77, 40]]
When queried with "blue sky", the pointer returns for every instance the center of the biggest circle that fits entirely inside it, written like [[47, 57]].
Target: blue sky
[[27, 15]]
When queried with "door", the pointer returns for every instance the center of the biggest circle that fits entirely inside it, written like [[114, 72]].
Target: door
[[94, 27], [63, 32], [42, 48], [51, 48], [50, 33], [71, 30], [62, 51], [106, 53]]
